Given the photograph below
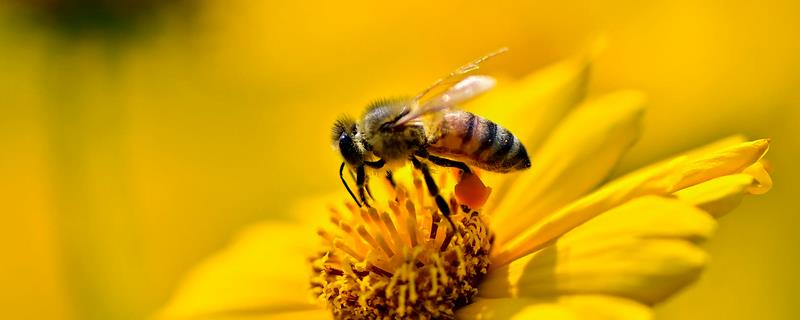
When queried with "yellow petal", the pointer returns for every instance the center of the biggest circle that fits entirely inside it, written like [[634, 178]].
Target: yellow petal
[[260, 315], [643, 250], [264, 271], [720, 195], [663, 178], [534, 105], [320, 314], [576, 307], [706, 149], [645, 217], [578, 155], [727, 161], [760, 173]]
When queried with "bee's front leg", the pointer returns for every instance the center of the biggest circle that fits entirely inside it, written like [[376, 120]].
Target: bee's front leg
[[390, 179], [344, 182], [361, 183], [365, 183]]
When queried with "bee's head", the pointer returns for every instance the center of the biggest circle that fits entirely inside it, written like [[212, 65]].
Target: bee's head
[[345, 140]]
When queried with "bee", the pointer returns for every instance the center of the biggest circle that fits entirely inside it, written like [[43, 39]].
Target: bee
[[428, 128]]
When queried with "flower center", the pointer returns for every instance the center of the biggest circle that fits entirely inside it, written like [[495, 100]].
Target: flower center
[[402, 260]]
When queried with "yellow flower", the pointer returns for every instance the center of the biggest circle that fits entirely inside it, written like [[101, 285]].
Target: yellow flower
[[554, 242]]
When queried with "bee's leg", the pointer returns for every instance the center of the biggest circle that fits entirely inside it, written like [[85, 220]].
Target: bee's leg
[[375, 165], [344, 182], [444, 162], [366, 187], [361, 181], [390, 178], [379, 164], [433, 189]]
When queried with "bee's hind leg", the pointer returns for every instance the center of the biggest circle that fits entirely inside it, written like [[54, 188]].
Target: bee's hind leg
[[433, 189], [444, 162]]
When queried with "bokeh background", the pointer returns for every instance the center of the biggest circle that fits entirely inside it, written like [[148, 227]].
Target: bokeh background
[[137, 136]]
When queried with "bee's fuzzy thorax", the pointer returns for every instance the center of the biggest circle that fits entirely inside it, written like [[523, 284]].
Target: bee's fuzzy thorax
[[390, 143], [383, 102]]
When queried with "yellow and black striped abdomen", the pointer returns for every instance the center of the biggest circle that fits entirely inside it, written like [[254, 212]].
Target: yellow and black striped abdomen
[[479, 142]]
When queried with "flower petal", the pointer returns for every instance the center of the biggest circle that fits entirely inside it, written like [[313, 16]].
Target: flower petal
[[260, 315], [643, 250], [727, 161], [646, 217], [663, 178], [760, 172], [578, 156], [319, 314], [533, 106], [706, 149], [720, 195], [564, 307], [264, 271]]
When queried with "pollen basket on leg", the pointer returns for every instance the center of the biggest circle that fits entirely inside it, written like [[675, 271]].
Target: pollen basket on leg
[[400, 258]]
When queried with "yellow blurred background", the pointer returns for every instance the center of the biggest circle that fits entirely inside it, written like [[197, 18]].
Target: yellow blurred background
[[136, 137]]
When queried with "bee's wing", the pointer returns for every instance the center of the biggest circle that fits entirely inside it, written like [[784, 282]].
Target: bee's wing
[[456, 76], [457, 87], [462, 91]]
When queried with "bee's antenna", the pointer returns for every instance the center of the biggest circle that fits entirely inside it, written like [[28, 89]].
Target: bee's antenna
[[341, 170]]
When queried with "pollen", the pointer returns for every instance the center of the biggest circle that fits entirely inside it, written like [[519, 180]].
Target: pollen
[[401, 259]]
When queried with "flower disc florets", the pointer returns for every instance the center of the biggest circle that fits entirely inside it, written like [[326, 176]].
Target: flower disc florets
[[401, 261]]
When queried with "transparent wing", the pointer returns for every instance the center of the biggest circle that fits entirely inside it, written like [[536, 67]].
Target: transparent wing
[[462, 91], [457, 87], [456, 76]]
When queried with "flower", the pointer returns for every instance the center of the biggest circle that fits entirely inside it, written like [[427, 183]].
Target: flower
[[552, 242]]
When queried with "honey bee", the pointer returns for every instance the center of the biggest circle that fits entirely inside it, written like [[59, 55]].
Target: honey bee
[[428, 128]]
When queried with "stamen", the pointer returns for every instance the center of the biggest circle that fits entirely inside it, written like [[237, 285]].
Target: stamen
[[387, 222], [446, 242], [334, 271], [377, 262], [434, 224], [453, 205], [365, 218], [325, 235], [338, 244], [420, 191], [366, 236], [384, 245], [334, 212], [379, 271], [412, 223], [352, 207]]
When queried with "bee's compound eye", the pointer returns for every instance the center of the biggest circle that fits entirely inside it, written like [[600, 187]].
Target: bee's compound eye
[[344, 139], [348, 149]]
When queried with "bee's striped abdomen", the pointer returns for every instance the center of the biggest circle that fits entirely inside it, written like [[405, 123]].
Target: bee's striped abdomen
[[479, 142]]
